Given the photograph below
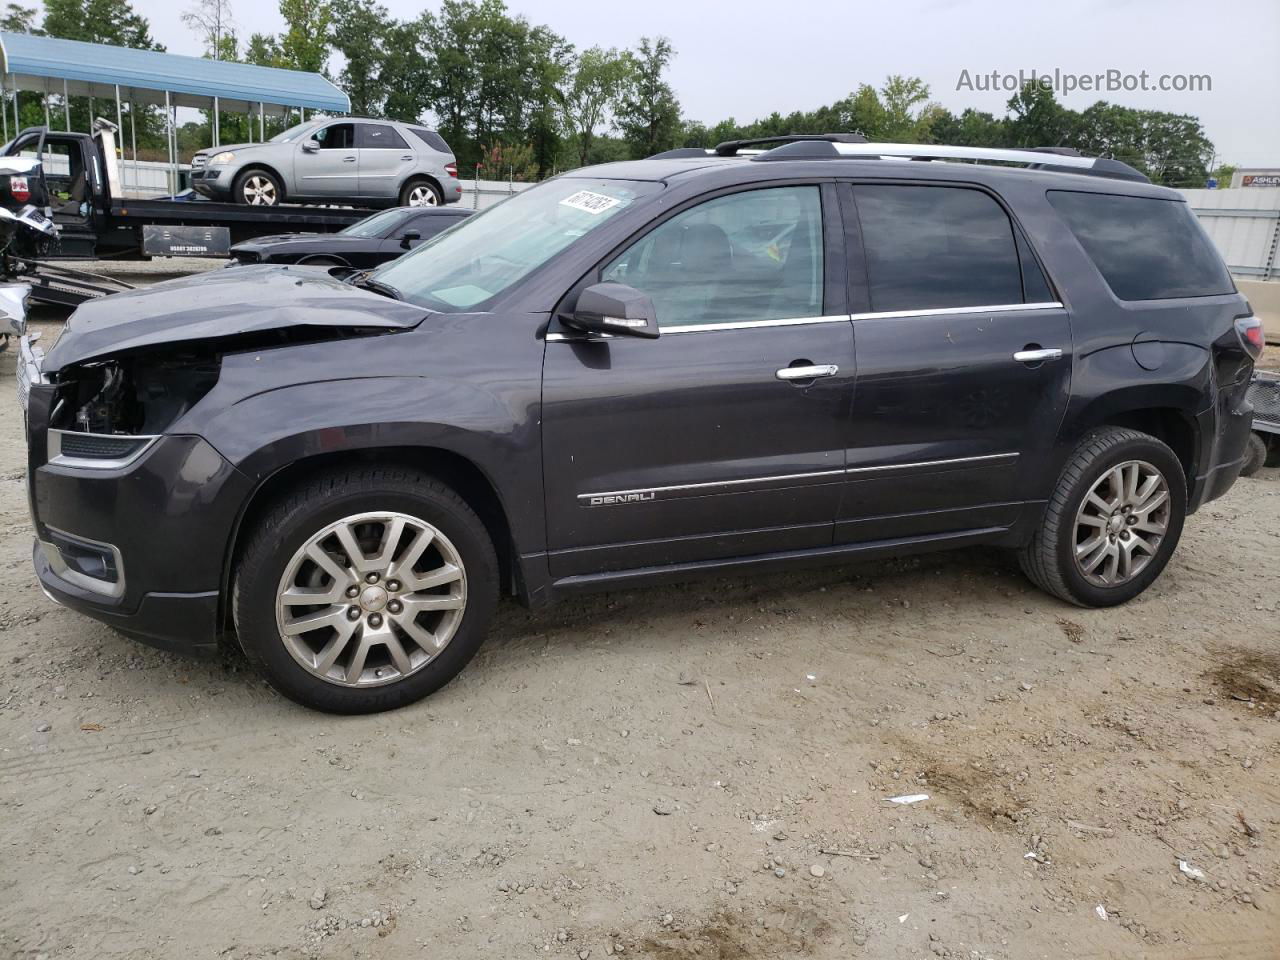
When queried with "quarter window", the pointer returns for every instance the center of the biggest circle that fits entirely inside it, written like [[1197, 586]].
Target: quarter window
[[1145, 248], [748, 256], [937, 248]]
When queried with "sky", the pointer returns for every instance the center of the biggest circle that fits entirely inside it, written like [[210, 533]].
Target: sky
[[748, 58]]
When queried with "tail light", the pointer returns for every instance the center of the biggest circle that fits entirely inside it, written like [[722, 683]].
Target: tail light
[[1249, 330], [451, 169], [20, 189]]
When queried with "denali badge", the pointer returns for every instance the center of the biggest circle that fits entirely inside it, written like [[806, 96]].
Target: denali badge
[[605, 499]]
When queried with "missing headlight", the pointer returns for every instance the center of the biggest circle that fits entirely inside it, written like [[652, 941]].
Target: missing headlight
[[138, 395]]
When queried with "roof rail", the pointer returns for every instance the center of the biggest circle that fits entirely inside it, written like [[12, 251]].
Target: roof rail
[[730, 148], [1065, 159]]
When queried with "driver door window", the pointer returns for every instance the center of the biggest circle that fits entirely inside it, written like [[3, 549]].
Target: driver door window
[[748, 256], [336, 136]]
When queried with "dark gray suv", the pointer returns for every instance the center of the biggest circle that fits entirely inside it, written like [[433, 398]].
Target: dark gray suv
[[636, 373]]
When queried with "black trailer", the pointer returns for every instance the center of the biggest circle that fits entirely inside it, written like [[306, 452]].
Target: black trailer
[[95, 221]]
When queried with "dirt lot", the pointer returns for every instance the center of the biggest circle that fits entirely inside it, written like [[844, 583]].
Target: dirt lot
[[675, 773]]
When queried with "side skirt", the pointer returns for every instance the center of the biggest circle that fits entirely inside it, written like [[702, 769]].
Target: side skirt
[[785, 560]]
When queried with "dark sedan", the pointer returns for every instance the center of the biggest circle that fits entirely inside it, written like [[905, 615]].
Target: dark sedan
[[368, 243]]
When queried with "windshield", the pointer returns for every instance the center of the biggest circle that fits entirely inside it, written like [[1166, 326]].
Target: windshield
[[293, 132], [374, 226], [485, 254]]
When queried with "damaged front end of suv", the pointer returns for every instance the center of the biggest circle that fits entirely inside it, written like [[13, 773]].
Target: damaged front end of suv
[[118, 426]]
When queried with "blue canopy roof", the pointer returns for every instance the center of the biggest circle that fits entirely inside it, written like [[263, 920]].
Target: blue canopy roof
[[96, 69]]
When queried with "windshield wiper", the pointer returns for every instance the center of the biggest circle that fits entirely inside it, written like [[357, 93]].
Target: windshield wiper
[[366, 282]]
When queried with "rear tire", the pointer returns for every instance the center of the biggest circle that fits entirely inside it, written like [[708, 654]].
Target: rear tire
[[1112, 521], [258, 188], [392, 625], [1255, 455], [420, 193]]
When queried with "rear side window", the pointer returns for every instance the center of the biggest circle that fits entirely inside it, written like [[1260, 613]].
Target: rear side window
[[375, 136], [933, 248], [431, 139], [1145, 248]]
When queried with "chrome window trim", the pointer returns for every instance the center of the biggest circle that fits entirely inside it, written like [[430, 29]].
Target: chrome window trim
[[776, 478], [56, 458], [748, 324], [943, 311], [800, 321], [92, 584]]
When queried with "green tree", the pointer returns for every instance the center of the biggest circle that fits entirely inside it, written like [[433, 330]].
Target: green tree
[[98, 21], [903, 99], [592, 91], [304, 45], [19, 19], [1036, 119], [649, 114], [212, 22], [358, 31]]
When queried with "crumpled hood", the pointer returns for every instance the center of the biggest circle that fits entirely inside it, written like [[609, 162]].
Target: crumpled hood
[[221, 304]]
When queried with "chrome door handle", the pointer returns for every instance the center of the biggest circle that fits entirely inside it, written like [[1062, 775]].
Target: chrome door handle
[[410, 157], [1038, 356], [807, 373], [348, 159]]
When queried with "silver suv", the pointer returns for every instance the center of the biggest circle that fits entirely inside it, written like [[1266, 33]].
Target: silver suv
[[336, 160]]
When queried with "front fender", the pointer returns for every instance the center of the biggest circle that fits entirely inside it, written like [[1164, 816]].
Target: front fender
[[269, 431]]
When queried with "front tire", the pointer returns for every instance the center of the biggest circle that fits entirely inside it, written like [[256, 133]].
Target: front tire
[[420, 193], [365, 590], [1112, 522], [257, 188]]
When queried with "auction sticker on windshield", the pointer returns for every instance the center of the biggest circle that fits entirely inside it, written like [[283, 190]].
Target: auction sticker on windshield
[[589, 202]]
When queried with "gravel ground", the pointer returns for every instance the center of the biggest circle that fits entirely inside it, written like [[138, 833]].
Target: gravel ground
[[697, 771]]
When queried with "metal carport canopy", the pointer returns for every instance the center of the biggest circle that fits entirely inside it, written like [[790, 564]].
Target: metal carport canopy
[[43, 64]]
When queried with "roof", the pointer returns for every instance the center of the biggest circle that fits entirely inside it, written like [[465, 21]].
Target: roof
[[721, 171], [143, 76]]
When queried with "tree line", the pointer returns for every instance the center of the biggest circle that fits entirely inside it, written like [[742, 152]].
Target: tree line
[[516, 99]]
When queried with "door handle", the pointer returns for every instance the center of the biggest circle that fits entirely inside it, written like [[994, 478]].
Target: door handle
[[807, 373], [409, 157], [1035, 354], [348, 159]]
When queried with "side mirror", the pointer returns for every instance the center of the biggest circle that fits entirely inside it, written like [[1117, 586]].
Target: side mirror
[[409, 237], [616, 309], [310, 146]]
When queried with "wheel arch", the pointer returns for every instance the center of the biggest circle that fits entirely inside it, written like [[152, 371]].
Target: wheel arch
[[463, 475], [1168, 415], [253, 165], [426, 178]]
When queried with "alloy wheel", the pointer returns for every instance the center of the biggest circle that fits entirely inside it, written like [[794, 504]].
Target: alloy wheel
[[1121, 523], [422, 196], [260, 191], [371, 598]]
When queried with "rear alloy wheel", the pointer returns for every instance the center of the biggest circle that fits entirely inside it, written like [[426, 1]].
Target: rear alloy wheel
[[257, 188], [365, 590], [1112, 522], [419, 193]]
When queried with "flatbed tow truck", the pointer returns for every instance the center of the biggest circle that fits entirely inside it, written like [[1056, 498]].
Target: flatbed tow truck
[[93, 220]]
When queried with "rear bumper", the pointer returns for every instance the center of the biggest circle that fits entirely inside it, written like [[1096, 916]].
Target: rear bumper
[[1226, 427]]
